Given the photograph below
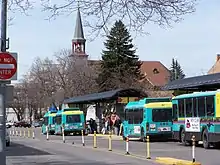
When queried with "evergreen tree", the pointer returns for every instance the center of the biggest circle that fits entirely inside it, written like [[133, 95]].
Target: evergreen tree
[[119, 61], [176, 71]]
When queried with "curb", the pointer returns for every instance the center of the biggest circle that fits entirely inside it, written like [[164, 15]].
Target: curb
[[173, 161]]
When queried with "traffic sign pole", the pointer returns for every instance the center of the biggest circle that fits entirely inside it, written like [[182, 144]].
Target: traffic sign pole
[[3, 85]]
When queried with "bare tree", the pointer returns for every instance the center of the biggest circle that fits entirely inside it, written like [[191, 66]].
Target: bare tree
[[73, 79], [99, 14], [19, 104], [43, 75]]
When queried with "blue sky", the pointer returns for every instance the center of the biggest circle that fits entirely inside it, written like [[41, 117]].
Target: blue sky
[[194, 41]]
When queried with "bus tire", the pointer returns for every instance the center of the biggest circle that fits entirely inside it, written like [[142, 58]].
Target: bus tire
[[205, 139], [183, 137], [143, 138]]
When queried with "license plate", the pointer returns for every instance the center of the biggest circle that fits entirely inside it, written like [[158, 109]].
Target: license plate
[[164, 129], [73, 127]]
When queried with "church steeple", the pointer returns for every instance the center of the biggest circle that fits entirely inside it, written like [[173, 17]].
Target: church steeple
[[78, 42]]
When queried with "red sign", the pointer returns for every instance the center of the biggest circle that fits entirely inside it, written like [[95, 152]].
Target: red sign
[[8, 66]]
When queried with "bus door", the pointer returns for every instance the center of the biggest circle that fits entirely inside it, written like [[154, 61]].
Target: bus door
[[161, 120], [58, 123], [134, 117], [45, 123]]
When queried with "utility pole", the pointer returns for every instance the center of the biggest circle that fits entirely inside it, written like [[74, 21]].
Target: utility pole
[[3, 85]]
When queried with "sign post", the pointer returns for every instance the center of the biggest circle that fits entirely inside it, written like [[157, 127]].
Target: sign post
[[3, 85], [8, 68]]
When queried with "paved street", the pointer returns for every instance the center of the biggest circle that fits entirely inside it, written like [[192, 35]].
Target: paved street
[[136, 148], [50, 153], [27, 151]]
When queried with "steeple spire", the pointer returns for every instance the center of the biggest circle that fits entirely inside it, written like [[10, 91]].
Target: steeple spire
[[78, 27], [78, 41]]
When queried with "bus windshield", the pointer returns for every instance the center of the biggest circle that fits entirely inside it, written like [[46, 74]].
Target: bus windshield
[[53, 120], [162, 115], [73, 119], [45, 121]]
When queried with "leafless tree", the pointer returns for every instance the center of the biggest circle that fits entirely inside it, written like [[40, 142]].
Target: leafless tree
[[19, 104], [43, 75], [99, 14], [73, 79]]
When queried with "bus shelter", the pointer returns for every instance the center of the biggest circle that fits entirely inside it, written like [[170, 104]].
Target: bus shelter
[[114, 99], [198, 83]]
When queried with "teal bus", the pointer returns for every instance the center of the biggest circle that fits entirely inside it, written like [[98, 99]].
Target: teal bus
[[197, 114], [148, 118], [72, 119], [49, 120]]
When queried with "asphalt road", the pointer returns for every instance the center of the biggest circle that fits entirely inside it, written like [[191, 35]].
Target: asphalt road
[[38, 151], [136, 148]]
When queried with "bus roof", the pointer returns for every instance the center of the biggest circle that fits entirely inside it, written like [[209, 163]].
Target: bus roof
[[137, 104], [159, 105], [52, 114], [71, 109], [46, 114], [196, 94], [72, 113]]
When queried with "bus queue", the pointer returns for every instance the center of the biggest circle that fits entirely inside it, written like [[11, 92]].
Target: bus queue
[[178, 118]]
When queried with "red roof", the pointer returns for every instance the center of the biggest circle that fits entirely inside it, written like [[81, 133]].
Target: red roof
[[155, 72]]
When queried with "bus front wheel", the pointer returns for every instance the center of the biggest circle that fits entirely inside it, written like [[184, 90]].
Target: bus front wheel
[[205, 139], [183, 137]]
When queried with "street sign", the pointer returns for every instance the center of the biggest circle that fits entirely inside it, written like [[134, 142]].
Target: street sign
[[8, 66]]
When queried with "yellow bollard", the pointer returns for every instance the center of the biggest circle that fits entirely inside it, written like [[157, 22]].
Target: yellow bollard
[[24, 133], [193, 148], [148, 147], [110, 141], [29, 133], [94, 140]]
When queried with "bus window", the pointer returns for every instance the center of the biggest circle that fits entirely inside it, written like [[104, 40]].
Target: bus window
[[188, 107], [201, 106], [174, 112], [161, 115], [73, 119], [58, 119], [194, 107], [129, 116], [138, 116], [181, 108], [45, 120], [210, 106], [53, 120]]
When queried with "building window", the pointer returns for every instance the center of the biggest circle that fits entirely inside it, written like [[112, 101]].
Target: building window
[[155, 71]]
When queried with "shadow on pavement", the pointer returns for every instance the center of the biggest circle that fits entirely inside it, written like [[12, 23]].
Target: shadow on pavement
[[21, 150], [66, 163]]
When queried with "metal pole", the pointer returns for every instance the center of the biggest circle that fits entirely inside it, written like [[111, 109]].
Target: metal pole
[[2, 125], [3, 85]]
